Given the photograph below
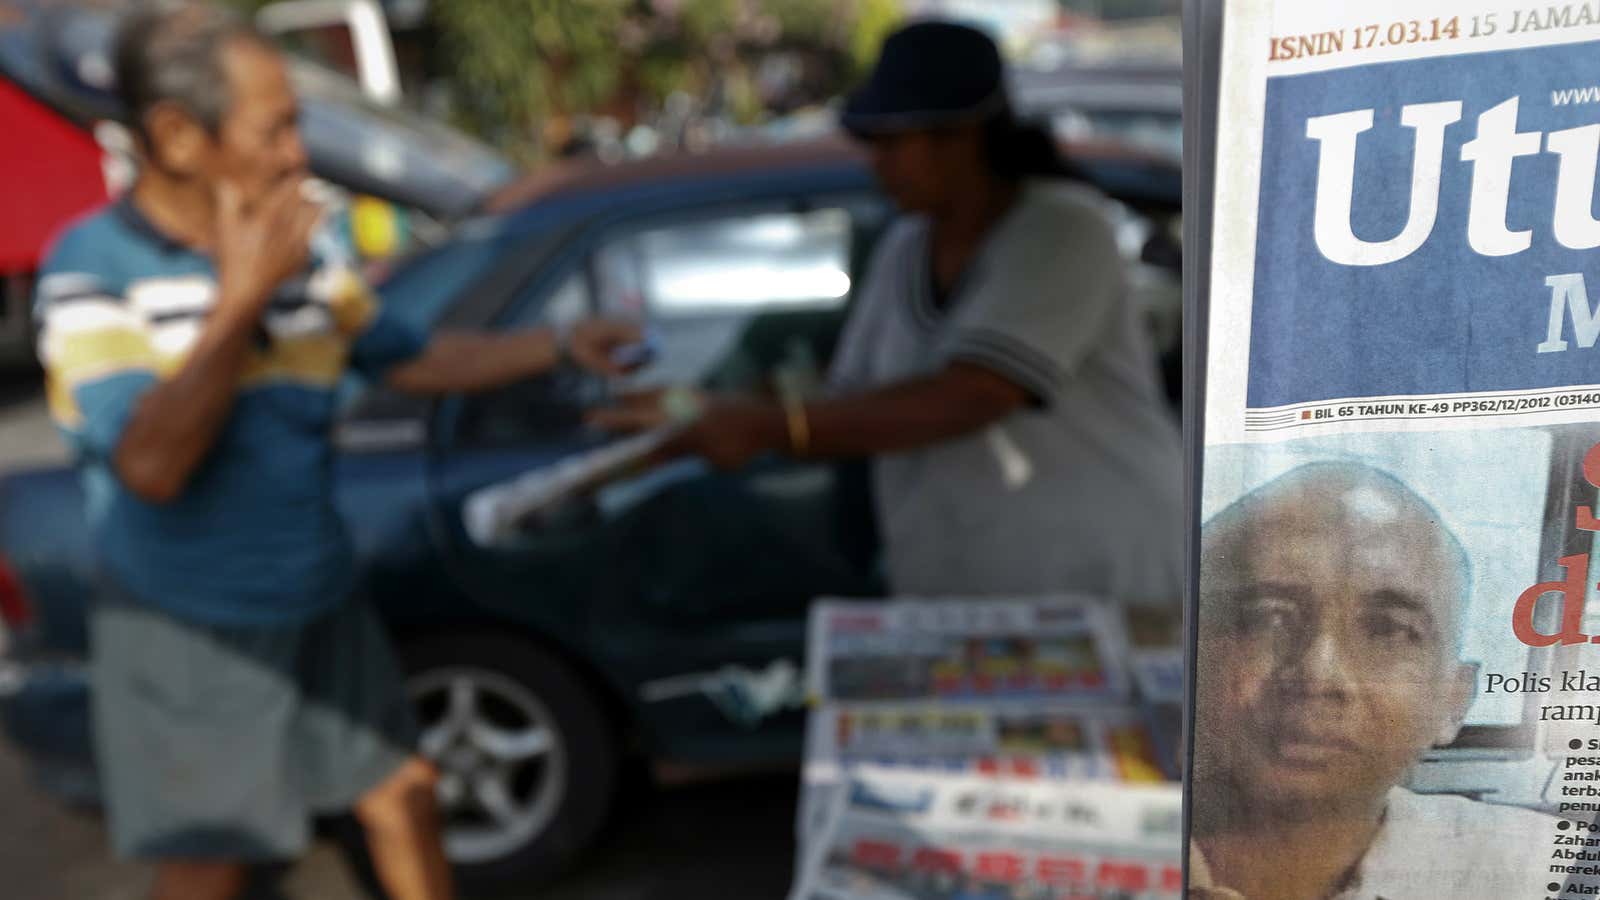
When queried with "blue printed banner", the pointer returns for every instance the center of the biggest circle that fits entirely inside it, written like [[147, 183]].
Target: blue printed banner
[[1428, 227]]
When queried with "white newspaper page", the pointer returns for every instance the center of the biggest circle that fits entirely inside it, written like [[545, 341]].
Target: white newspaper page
[[1013, 742], [897, 836], [1397, 688], [966, 650]]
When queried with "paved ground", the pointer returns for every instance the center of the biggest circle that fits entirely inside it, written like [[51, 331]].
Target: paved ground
[[727, 839]]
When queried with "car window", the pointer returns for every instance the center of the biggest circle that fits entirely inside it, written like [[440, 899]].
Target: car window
[[568, 303], [547, 406], [733, 298], [1152, 255]]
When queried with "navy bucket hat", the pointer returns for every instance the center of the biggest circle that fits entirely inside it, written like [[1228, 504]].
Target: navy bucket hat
[[929, 75]]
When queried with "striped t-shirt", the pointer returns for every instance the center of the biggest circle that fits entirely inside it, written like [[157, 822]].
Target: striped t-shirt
[[254, 538]]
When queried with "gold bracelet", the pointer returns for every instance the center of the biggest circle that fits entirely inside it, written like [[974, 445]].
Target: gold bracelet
[[794, 410]]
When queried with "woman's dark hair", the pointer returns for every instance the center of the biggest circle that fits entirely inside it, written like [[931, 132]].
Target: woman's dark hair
[[172, 53], [1017, 148]]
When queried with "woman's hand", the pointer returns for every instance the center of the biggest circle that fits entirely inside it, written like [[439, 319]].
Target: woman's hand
[[728, 430]]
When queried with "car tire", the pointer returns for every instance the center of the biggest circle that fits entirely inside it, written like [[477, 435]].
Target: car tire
[[578, 769]]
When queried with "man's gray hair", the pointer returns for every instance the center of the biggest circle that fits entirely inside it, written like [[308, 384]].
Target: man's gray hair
[[170, 52]]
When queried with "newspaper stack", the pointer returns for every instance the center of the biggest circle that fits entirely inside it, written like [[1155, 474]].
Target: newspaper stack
[[1033, 695], [894, 836]]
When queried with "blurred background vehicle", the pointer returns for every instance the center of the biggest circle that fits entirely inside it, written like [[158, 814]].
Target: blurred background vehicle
[[1140, 105], [352, 35], [660, 620]]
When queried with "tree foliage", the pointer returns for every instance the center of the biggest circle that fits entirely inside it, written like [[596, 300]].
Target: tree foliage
[[515, 65], [514, 61]]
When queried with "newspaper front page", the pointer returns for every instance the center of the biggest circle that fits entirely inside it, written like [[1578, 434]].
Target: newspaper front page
[[1396, 690]]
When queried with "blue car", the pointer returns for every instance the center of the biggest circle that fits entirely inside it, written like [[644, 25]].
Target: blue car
[[660, 619]]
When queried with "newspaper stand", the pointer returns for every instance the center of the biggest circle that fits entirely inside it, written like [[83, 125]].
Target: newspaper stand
[[969, 748]]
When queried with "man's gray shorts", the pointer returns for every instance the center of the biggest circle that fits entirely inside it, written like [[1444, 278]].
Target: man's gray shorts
[[222, 742]]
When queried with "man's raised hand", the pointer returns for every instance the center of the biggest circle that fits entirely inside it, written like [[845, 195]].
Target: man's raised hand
[[260, 244]]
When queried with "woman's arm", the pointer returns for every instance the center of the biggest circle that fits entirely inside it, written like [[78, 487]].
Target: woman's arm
[[905, 415]]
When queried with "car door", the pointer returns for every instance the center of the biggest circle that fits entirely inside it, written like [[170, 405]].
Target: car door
[[676, 577], [746, 300]]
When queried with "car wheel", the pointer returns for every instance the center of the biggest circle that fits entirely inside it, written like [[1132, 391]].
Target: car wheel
[[528, 762]]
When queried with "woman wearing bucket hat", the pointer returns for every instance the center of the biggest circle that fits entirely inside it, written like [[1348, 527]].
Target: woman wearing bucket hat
[[991, 366]]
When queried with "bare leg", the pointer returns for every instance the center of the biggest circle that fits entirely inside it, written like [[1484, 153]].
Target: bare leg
[[198, 881], [401, 818]]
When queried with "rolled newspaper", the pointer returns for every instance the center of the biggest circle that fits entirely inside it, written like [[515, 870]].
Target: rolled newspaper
[[495, 513]]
